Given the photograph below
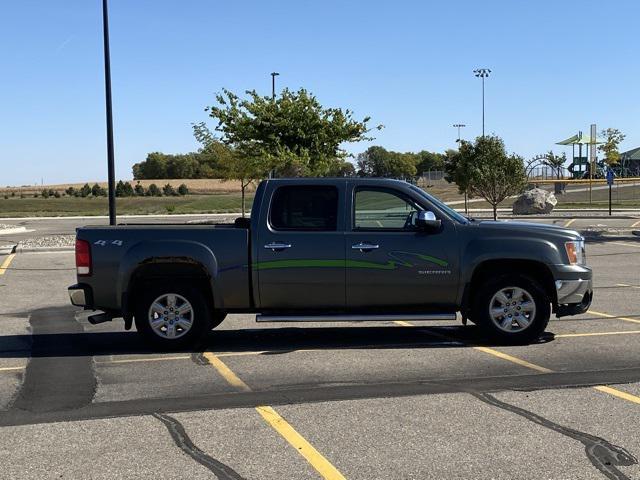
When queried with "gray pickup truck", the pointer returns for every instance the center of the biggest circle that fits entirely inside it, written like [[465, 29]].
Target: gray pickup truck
[[342, 249]]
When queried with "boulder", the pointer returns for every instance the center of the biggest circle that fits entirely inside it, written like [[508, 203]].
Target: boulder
[[534, 201]]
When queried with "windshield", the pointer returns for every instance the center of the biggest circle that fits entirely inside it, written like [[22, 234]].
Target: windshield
[[458, 217]]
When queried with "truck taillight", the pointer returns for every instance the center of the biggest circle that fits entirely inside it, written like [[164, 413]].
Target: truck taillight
[[83, 257]]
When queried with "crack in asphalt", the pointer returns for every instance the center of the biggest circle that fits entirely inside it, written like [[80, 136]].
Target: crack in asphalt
[[182, 440], [604, 455]]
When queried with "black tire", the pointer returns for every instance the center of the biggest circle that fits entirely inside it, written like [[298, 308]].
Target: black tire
[[512, 331], [184, 338], [216, 318]]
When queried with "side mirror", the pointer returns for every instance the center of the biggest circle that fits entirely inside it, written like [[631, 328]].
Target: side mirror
[[426, 220]]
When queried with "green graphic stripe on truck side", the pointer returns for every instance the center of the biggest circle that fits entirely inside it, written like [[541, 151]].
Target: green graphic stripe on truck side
[[314, 263]]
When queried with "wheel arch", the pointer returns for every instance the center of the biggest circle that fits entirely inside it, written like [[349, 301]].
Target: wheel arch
[[534, 269]]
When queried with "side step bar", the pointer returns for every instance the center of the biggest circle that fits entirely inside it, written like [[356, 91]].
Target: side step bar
[[356, 317]]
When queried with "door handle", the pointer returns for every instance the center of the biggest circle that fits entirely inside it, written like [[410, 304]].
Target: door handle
[[277, 246], [363, 247]]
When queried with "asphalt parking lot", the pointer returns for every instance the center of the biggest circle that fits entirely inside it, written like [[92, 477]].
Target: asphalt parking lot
[[356, 401]]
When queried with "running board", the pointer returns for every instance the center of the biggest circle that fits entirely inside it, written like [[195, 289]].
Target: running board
[[356, 317]]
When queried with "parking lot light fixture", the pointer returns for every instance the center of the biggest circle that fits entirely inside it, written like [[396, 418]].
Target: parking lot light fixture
[[482, 73]]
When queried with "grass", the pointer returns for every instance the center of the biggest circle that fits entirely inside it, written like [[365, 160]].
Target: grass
[[68, 206]]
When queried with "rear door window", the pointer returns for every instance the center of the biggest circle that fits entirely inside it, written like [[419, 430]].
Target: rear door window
[[304, 207]]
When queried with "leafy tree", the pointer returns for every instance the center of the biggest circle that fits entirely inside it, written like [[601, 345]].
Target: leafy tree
[[119, 189], [153, 191], [85, 191], [155, 166], [426, 161], [489, 172], [168, 190], [292, 134], [183, 189], [98, 191], [128, 190], [138, 190], [613, 137], [379, 162], [555, 162]]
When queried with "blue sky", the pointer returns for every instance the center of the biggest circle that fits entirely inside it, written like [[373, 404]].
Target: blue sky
[[557, 67]]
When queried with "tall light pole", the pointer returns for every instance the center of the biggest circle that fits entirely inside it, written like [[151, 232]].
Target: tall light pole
[[459, 126], [111, 174], [482, 73], [273, 84]]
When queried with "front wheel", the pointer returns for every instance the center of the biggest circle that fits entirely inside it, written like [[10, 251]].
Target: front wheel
[[512, 309], [172, 316]]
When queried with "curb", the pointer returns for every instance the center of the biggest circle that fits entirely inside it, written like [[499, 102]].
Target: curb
[[9, 231], [21, 249], [7, 249]]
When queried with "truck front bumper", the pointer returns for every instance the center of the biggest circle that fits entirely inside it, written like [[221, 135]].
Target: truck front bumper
[[81, 295], [574, 291]]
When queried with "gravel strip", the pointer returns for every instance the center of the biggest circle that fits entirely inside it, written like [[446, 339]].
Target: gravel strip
[[48, 241], [7, 226]]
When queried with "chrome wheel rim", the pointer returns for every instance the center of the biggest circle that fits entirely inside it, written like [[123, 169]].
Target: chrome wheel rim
[[512, 309], [170, 316]]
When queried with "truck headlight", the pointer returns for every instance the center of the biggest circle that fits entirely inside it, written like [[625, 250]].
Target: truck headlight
[[575, 252]]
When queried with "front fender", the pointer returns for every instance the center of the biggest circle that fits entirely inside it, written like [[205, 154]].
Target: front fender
[[508, 248], [169, 251]]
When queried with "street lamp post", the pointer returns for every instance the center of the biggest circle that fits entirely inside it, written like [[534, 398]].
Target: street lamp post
[[273, 84], [482, 73], [459, 126], [107, 86]]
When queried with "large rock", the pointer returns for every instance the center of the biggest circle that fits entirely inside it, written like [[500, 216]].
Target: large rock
[[534, 201]]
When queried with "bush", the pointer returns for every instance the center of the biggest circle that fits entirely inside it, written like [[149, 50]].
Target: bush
[[85, 191], [98, 191], [120, 189], [71, 191], [35, 195], [13, 194], [128, 190], [45, 193], [57, 194], [6, 197], [168, 190], [183, 190], [153, 191], [138, 190], [170, 208]]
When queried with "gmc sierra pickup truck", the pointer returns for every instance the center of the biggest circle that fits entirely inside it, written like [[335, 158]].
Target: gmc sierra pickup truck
[[333, 250]]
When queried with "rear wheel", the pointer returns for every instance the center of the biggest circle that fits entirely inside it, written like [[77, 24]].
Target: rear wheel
[[512, 308], [172, 316]]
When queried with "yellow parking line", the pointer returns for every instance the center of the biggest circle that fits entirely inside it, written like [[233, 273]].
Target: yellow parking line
[[5, 264], [570, 222], [626, 285], [618, 393], [532, 366], [595, 334], [403, 323], [297, 441], [606, 315], [512, 359], [226, 372], [279, 424], [636, 224]]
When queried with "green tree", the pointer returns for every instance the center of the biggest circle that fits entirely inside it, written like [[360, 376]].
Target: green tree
[[153, 191], [138, 190], [119, 189], [490, 172], [85, 191], [128, 190], [555, 162], [98, 191], [612, 137], [168, 190], [183, 189], [292, 134], [155, 166], [379, 162], [426, 161]]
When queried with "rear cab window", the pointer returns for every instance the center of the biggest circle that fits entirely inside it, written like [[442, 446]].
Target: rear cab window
[[304, 208]]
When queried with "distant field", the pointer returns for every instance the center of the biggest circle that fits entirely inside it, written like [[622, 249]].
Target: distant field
[[65, 206], [196, 186]]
